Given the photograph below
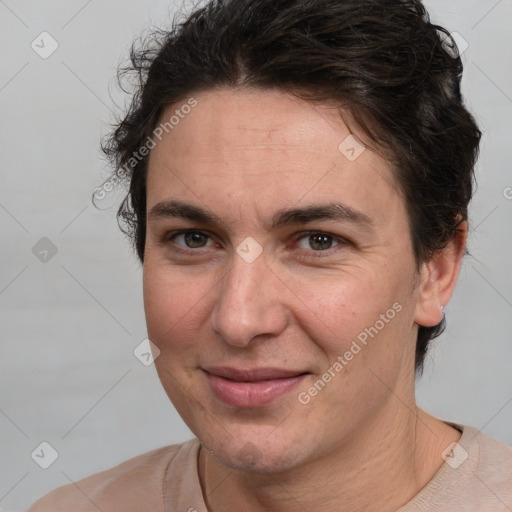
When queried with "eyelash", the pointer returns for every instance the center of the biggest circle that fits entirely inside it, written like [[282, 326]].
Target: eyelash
[[340, 241]]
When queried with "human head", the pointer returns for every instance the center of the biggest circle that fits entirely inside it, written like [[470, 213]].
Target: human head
[[397, 74]]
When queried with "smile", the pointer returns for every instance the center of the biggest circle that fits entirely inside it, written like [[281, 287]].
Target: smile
[[251, 388]]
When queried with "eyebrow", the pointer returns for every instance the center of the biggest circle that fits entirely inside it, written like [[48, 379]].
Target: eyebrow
[[330, 211], [174, 208]]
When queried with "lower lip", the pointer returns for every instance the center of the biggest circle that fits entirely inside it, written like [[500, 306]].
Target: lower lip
[[251, 394]]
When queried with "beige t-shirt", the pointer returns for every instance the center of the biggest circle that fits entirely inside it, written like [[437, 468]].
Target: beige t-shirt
[[476, 477]]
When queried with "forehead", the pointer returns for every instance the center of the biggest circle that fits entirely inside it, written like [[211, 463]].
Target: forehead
[[267, 144], [246, 117]]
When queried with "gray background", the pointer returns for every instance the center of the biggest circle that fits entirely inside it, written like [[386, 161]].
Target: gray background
[[69, 325]]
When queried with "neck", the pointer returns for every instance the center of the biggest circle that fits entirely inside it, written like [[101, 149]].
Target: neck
[[380, 468]]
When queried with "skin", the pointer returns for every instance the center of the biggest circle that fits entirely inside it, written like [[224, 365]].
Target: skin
[[360, 444]]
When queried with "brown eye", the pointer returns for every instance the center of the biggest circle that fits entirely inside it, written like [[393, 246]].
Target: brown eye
[[192, 239], [320, 241], [317, 241]]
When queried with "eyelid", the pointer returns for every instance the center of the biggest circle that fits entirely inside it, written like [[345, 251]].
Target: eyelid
[[170, 236], [340, 241]]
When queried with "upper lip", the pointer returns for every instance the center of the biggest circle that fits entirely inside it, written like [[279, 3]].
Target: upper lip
[[253, 374]]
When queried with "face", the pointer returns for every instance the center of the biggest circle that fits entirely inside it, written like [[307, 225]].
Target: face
[[279, 278]]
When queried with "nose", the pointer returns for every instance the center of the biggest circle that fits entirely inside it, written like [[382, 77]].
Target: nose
[[249, 303]]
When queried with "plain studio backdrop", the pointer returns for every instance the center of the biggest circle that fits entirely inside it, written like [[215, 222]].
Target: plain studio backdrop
[[71, 307]]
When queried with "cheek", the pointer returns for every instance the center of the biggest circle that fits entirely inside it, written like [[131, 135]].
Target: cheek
[[358, 328], [174, 303], [337, 310]]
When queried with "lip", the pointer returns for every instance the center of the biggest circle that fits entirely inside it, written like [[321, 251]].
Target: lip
[[255, 387]]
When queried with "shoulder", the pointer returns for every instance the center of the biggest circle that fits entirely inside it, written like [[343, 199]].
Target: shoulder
[[483, 473], [135, 484], [494, 464], [476, 477]]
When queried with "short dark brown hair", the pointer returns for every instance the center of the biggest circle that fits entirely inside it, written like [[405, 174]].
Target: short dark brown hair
[[382, 60]]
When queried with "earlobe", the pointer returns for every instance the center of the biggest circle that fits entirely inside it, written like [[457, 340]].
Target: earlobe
[[438, 278]]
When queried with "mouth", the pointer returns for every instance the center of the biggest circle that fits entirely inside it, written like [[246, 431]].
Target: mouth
[[249, 388]]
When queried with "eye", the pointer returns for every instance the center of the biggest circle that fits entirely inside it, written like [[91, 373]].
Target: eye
[[191, 239], [318, 241]]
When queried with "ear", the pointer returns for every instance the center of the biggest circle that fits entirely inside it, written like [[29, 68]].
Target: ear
[[438, 277]]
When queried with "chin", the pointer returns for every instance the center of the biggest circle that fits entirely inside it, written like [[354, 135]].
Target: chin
[[253, 451]]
